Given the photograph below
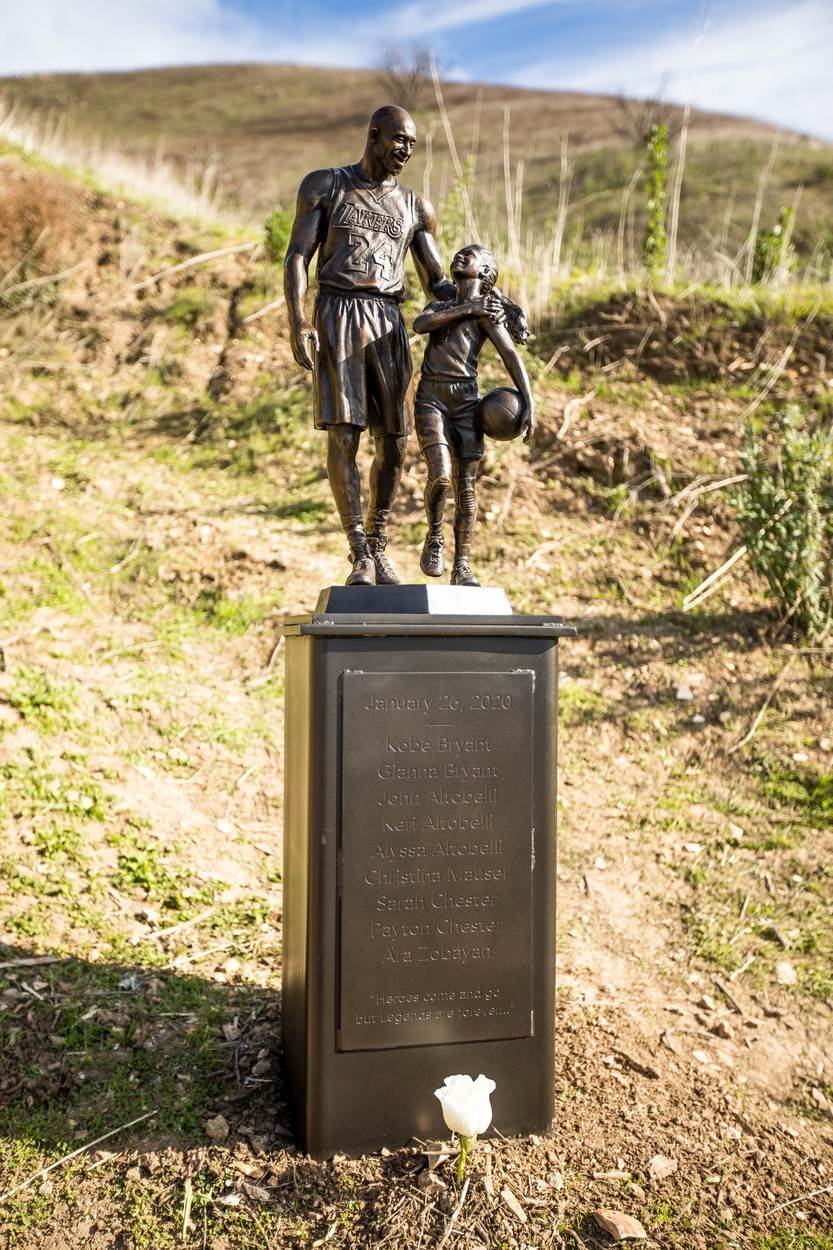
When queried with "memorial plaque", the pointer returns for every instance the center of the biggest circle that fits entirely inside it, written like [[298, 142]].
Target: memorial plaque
[[436, 858]]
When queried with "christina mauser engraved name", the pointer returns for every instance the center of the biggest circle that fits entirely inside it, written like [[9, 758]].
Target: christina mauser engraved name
[[455, 874]]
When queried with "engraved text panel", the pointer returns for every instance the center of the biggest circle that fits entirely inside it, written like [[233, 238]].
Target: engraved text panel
[[436, 858]]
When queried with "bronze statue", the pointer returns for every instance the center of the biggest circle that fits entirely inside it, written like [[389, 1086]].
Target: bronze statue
[[362, 222], [450, 416]]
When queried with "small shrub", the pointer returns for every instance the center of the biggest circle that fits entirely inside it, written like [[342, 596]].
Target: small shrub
[[454, 228], [655, 242], [774, 252], [785, 514], [276, 231]]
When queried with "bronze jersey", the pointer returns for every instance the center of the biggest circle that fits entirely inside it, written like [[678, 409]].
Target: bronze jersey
[[369, 231], [452, 351]]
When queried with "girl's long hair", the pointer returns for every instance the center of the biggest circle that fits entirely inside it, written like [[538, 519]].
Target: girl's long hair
[[516, 322]]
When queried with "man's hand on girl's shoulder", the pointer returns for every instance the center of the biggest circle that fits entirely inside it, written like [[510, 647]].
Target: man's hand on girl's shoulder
[[489, 306]]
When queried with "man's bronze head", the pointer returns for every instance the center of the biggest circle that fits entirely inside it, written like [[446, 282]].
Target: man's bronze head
[[391, 135]]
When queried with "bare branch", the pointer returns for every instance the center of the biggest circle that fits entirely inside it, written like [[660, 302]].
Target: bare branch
[[636, 118], [405, 73]]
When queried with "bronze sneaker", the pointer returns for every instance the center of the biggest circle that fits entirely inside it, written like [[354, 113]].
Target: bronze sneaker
[[431, 561], [364, 570], [461, 574], [386, 574]]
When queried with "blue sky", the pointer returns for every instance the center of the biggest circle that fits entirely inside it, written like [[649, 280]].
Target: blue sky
[[764, 58]]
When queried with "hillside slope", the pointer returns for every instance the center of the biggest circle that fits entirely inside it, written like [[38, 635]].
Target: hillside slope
[[164, 504], [264, 126]]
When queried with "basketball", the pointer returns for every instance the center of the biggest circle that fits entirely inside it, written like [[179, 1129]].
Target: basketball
[[500, 413]]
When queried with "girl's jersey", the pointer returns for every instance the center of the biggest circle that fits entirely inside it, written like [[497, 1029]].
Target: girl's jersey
[[452, 351], [369, 231]]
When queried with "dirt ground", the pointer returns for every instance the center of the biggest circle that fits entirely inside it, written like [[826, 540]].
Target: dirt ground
[[164, 505]]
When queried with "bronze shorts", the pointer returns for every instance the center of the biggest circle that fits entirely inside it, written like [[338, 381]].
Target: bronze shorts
[[363, 364], [446, 413]]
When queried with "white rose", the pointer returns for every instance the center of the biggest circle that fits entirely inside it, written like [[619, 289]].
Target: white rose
[[467, 1110]]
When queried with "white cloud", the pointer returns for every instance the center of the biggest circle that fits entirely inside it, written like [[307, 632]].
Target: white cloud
[[764, 58], [38, 36], [422, 18], [773, 63]]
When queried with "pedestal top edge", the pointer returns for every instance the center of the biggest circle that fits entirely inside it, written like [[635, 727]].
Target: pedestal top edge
[[420, 610], [414, 599], [369, 625]]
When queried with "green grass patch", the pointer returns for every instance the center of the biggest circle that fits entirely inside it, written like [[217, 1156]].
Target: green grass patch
[[807, 791], [46, 702], [228, 614], [37, 789], [143, 864], [129, 1040], [192, 305], [791, 1239], [579, 706], [753, 888]]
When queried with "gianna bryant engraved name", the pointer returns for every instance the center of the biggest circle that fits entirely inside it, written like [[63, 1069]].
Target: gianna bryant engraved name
[[436, 857]]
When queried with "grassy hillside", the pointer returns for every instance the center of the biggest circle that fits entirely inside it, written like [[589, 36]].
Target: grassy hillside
[[164, 504], [261, 127]]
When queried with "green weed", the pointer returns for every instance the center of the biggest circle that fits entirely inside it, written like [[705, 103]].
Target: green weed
[[790, 1239], [276, 231], [231, 615], [142, 864], [654, 243], [192, 306], [44, 701], [43, 791], [579, 706], [804, 790], [785, 514]]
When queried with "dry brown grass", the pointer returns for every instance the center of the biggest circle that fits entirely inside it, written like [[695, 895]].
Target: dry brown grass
[[264, 126], [42, 220]]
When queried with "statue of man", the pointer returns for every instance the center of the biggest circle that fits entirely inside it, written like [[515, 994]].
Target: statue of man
[[362, 222]]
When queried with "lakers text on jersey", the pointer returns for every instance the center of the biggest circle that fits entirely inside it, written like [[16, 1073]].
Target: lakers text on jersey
[[369, 231]]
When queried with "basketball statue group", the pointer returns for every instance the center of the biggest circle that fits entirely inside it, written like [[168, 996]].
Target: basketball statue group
[[362, 222]]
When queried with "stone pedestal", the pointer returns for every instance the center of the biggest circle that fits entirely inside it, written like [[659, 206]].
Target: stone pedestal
[[419, 862]]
